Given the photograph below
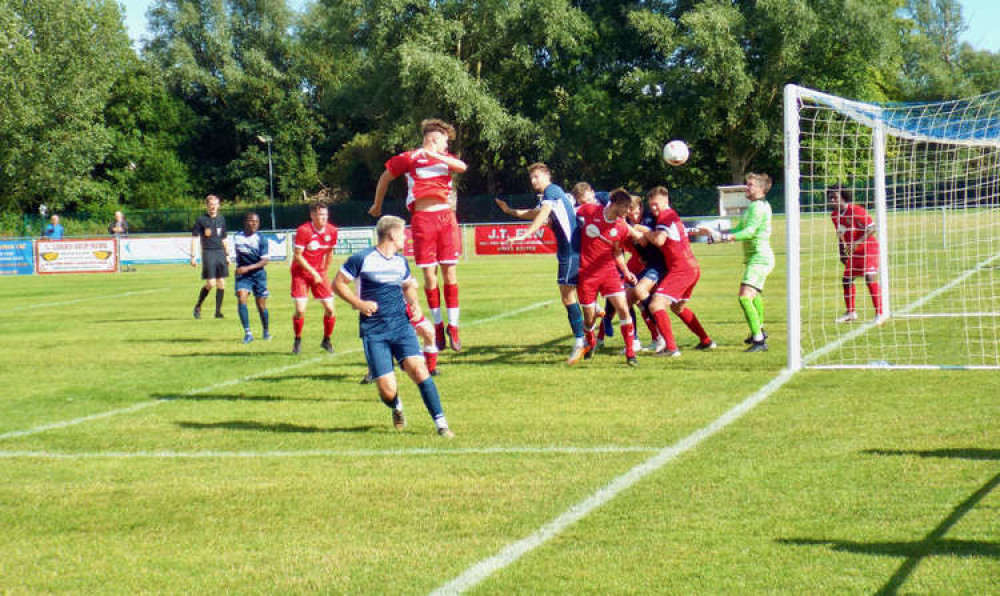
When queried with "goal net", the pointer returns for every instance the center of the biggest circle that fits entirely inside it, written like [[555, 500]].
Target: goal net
[[928, 176]]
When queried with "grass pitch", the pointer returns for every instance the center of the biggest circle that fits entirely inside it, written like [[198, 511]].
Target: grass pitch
[[142, 451]]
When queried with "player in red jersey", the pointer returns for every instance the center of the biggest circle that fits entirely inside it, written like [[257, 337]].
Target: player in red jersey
[[437, 239], [683, 273], [314, 243], [602, 266], [858, 249]]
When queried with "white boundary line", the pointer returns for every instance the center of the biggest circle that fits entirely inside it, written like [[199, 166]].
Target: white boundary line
[[346, 453], [91, 299], [147, 404], [512, 552]]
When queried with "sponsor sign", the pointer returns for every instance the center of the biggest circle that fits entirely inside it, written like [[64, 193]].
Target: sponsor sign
[[76, 256], [491, 240], [350, 241], [17, 257], [155, 250], [277, 246]]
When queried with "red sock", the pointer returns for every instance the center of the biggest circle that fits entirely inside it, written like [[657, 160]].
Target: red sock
[[600, 333], [876, 291], [693, 324], [590, 338], [650, 323], [663, 325], [628, 334], [328, 323], [433, 297], [432, 360], [451, 295], [297, 324], [849, 296]]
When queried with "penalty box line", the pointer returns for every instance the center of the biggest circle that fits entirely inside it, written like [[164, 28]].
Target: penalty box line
[[511, 553], [274, 371]]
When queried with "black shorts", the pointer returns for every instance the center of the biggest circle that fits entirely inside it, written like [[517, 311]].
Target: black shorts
[[214, 264]]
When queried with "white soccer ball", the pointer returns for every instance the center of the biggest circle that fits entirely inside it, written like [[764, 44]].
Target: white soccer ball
[[676, 152]]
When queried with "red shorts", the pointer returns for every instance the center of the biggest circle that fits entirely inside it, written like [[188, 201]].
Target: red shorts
[[437, 238], [679, 285], [861, 265], [303, 284], [607, 282]]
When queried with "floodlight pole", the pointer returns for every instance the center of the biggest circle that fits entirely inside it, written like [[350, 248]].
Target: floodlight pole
[[270, 174]]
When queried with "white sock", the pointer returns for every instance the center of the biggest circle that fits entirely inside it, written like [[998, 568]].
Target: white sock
[[453, 317], [436, 313]]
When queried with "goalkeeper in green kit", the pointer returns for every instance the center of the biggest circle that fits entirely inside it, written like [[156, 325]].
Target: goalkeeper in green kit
[[754, 230]]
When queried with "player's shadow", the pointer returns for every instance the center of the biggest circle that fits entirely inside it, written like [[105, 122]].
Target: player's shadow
[[168, 340], [283, 427], [136, 320], [241, 354], [934, 544], [324, 377], [523, 355], [236, 397]]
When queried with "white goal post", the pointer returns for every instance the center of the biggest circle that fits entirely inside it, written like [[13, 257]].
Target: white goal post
[[928, 176]]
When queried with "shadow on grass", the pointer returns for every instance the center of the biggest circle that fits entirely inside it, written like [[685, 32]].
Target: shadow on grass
[[237, 397], [249, 425], [310, 377], [136, 320], [972, 453], [934, 543]]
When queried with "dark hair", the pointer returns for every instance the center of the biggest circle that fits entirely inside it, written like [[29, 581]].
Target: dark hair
[[845, 193], [316, 206], [249, 215], [436, 125], [620, 196]]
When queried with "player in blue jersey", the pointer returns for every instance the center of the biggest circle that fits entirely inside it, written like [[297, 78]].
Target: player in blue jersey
[[383, 291], [556, 209], [251, 278]]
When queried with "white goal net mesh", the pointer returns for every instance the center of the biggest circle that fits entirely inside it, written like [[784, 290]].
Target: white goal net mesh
[[928, 176]]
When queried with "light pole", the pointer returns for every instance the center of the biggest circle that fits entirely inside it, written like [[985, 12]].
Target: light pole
[[270, 174]]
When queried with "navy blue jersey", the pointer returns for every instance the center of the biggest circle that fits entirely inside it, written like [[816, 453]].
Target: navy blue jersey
[[603, 197], [650, 254], [249, 249], [562, 219], [380, 279]]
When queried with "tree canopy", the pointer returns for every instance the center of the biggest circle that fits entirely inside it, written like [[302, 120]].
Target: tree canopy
[[592, 87]]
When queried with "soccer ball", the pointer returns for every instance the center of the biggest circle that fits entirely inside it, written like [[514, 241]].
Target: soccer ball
[[675, 153]]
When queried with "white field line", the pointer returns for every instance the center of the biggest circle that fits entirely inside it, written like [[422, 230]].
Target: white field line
[[345, 453], [148, 404], [514, 551], [91, 299]]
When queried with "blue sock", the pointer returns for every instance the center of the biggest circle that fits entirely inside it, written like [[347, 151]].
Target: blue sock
[[429, 393], [392, 404], [609, 319], [264, 319], [244, 316], [575, 319]]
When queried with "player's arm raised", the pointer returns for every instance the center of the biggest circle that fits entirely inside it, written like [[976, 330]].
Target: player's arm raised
[[383, 185], [526, 214], [541, 218]]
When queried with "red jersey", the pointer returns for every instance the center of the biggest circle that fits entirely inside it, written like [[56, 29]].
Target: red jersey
[[316, 246], [676, 250], [426, 177], [598, 239], [851, 224]]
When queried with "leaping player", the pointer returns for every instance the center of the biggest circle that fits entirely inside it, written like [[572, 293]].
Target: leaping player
[[437, 239]]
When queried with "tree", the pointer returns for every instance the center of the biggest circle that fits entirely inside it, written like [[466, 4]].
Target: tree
[[723, 65], [60, 59], [232, 62]]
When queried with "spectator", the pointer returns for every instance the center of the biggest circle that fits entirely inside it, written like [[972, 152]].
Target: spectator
[[119, 227], [54, 230]]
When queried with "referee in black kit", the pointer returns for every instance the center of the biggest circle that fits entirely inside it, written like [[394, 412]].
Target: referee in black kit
[[210, 229]]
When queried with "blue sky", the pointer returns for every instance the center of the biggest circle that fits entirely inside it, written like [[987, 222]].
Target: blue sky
[[982, 17]]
